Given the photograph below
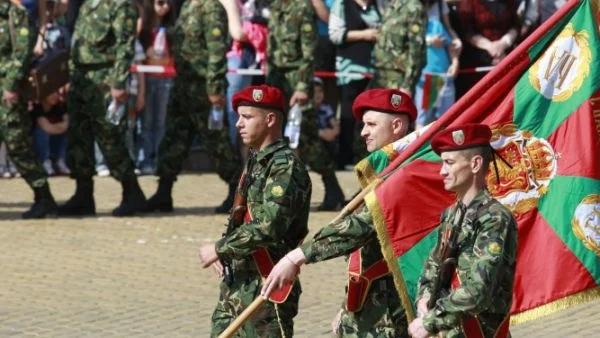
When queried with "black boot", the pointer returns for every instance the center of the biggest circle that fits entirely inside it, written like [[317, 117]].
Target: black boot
[[161, 200], [133, 198], [43, 205], [82, 202], [334, 197], [225, 207]]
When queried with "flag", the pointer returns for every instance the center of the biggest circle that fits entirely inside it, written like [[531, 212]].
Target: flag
[[543, 106], [432, 87]]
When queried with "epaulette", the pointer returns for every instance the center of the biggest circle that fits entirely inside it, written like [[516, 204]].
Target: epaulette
[[281, 160]]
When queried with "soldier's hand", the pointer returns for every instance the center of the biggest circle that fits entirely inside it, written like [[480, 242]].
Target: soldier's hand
[[299, 97], [417, 330], [207, 255], [218, 268], [119, 95], [422, 308], [335, 323], [217, 100], [11, 98], [284, 272]]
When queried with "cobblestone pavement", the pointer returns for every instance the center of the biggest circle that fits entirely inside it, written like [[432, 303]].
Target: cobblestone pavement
[[139, 276]]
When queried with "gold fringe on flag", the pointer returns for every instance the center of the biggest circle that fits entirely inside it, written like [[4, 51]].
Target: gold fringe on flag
[[364, 172], [388, 253], [556, 306]]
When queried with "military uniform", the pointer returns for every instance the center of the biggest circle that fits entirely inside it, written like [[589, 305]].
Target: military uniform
[[200, 45], [15, 124], [290, 67], [102, 52], [400, 50], [382, 314], [486, 267], [485, 235], [278, 204]]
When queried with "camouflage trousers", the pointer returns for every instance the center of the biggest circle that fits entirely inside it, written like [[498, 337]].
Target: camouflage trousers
[[270, 321], [15, 130], [88, 99], [311, 149], [382, 315], [187, 116]]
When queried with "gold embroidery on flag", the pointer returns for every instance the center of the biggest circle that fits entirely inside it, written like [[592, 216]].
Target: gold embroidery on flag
[[563, 67]]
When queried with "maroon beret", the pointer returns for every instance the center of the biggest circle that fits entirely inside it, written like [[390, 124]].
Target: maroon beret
[[392, 101], [461, 137], [262, 96]]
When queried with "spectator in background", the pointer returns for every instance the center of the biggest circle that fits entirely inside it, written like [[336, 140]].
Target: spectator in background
[[435, 91], [490, 29], [353, 28], [158, 14], [49, 132], [325, 53], [56, 36], [329, 127], [248, 29]]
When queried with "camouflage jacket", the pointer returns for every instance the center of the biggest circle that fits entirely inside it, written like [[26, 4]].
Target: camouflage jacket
[[354, 232], [104, 37], [200, 43], [400, 52], [278, 201], [293, 41], [487, 252], [15, 60]]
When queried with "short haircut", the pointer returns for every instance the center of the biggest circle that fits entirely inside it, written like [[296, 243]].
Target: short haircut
[[485, 152]]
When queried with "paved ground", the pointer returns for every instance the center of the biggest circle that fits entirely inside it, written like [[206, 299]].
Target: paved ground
[[110, 277]]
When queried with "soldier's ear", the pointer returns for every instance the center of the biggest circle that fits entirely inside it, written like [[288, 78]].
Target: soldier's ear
[[476, 164]]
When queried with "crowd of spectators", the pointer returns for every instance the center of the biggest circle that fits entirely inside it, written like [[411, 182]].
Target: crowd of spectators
[[461, 35]]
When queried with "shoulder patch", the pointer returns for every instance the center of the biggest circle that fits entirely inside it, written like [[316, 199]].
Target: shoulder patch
[[494, 248], [277, 191], [216, 32], [415, 28], [307, 27]]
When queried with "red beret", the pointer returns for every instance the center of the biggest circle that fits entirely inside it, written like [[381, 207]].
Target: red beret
[[392, 101], [461, 137], [262, 96]]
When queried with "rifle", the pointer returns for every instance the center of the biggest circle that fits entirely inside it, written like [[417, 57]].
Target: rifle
[[237, 213], [449, 261]]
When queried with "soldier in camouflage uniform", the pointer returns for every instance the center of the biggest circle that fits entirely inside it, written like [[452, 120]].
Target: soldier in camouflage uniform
[[102, 51], [278, 200], [290, 66], [486, 236], [17, 38], [400, 51], [387, 114], [200, 44]]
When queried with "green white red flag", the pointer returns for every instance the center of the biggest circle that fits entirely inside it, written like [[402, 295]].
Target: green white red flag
[[543, 105]]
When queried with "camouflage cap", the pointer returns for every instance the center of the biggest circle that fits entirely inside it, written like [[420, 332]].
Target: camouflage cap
[[463, 136], [262, 96], [392, 101]]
